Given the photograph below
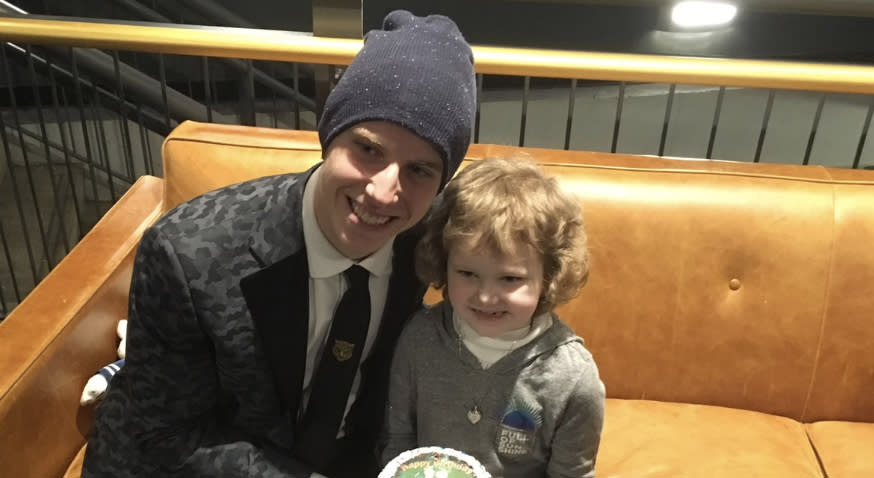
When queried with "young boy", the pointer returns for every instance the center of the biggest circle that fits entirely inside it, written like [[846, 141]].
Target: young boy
[[491, 371]]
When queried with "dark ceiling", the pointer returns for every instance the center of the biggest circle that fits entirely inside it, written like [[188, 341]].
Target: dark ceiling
[[766, 29]]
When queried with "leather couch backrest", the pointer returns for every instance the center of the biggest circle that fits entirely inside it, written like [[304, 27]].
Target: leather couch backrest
[[200, 157], [733, 284]]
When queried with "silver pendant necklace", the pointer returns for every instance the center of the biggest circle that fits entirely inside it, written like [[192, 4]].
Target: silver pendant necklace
[[474, 413]]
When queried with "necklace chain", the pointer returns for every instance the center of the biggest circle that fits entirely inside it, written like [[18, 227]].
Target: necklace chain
[[474, 413]]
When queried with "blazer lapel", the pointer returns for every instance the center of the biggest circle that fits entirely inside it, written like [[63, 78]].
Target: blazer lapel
[[405, 291], [278, 300], [277, 294]]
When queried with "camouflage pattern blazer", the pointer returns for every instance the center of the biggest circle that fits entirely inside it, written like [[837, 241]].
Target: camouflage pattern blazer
[[217, 344]]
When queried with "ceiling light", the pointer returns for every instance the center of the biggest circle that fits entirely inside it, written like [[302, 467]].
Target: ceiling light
[[701, 14]]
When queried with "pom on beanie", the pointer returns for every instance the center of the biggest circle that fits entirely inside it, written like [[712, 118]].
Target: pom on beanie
[[416, 72]]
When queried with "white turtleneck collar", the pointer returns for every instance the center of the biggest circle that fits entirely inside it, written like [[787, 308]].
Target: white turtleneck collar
[[489, 350]]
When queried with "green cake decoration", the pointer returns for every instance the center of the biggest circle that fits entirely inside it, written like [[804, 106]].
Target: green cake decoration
[[434, 462]]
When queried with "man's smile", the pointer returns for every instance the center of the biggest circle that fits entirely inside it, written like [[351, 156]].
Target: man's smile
[[367, 217]]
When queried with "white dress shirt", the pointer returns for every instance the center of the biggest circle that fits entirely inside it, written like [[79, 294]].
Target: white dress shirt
[[327, 285]]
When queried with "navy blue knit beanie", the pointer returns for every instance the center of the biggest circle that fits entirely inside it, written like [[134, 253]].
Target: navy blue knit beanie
[[416, 72]]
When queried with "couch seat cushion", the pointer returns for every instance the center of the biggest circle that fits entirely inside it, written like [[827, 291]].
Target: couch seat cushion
[[75, 468], [844, 447], [649, 439]]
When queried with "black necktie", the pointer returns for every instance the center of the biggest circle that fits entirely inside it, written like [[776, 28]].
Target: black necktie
[[332, 380]]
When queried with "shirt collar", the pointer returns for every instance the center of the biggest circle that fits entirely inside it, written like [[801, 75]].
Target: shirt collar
[[323, 259], [519, 337]]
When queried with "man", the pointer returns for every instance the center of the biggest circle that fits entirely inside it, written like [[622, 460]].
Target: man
[[237, 364]]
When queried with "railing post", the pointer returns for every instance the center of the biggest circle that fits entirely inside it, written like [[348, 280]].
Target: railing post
[[339, 19]]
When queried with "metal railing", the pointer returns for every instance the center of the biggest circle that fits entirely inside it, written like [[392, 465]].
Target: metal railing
[[88, 104]]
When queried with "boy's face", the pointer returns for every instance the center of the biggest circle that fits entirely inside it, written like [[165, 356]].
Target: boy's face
[[378, 179], [491, 292]]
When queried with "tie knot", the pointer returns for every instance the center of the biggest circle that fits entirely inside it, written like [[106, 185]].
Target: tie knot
[[356, 277]]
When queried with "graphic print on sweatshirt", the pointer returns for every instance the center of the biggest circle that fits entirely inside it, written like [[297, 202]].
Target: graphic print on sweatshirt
[[518, 428]]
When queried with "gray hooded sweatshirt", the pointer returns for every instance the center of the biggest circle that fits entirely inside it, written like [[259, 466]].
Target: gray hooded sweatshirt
[[540, 407]]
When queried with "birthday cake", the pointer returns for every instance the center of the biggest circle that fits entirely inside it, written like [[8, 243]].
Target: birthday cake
[[433, 462]]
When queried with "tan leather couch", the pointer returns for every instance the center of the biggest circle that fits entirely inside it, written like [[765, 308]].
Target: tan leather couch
[[730, 309]]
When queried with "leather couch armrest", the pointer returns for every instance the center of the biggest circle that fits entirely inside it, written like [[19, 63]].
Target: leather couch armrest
[[61, 333]]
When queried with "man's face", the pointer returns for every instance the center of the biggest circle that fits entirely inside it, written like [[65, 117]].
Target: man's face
[[378, 179]]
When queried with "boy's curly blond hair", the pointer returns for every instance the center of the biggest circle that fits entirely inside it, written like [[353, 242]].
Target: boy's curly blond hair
[[501, 204]]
